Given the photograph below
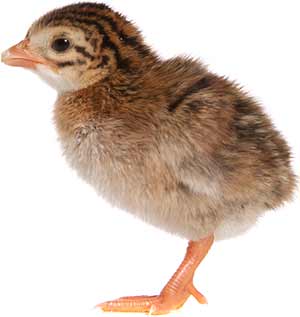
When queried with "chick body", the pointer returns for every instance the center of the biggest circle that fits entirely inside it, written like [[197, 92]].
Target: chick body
[[167, 140], [186, 150], [172, 143]]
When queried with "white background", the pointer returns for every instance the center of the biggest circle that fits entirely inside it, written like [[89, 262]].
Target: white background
[[63, 249]]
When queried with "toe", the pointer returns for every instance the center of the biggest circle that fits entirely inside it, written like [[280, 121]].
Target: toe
[[129, 304]]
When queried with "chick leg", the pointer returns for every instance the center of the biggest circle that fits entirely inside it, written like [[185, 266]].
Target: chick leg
[[176, 291]]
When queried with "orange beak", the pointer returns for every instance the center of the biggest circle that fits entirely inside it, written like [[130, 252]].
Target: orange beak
[[20, 55]]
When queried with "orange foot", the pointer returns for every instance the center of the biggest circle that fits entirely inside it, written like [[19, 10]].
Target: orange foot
[[175, 293]]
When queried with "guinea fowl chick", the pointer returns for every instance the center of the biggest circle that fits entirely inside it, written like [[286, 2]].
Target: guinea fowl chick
[[167, 140]]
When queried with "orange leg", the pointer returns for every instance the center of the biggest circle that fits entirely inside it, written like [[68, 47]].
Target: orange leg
[[175, 293]]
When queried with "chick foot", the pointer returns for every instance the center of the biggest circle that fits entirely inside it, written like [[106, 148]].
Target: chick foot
[[176, 291]]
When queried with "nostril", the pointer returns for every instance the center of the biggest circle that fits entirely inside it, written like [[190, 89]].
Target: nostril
[[23, 44]]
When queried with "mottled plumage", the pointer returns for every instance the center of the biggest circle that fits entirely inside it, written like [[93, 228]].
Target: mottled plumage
[[172, 143]]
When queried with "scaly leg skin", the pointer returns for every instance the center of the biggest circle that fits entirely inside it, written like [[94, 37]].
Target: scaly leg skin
[[175, 293]]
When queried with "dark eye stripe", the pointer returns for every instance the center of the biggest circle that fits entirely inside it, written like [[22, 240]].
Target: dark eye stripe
[[84, 52], [65, 64], [71, 63], [80, 62]]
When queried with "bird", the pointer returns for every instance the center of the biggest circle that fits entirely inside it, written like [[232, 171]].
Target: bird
[[167, 140]]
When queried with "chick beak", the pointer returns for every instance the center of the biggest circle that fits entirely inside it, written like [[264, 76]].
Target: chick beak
[[21, 55]]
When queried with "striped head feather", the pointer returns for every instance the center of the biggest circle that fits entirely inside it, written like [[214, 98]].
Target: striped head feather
[[86, 43]]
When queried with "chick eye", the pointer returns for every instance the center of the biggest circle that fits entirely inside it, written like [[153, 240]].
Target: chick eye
[[60, 45]]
